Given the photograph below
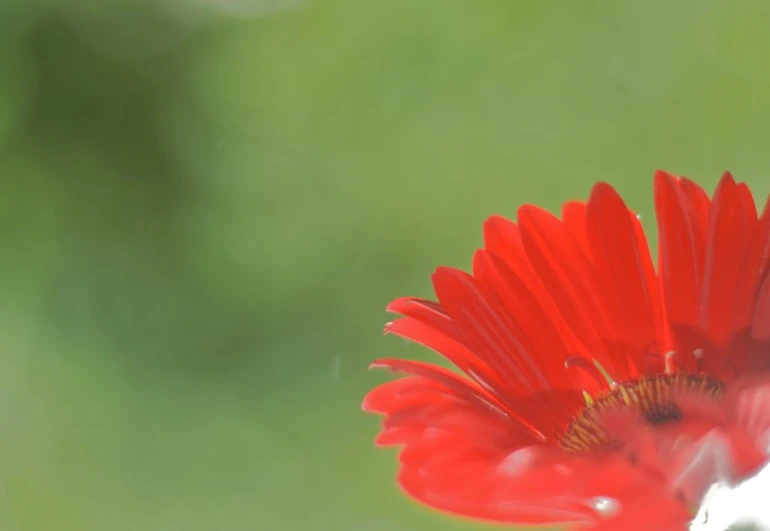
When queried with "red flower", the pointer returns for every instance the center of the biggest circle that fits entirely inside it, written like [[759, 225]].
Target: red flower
[[596, 393]]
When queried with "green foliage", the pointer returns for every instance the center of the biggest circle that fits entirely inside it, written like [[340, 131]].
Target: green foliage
[[204, 212]]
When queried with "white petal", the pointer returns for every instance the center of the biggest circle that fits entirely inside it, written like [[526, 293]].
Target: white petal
[[742, 507]]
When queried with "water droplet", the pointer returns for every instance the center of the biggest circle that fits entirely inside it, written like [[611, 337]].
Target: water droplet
[[605, 506], [517, 461]]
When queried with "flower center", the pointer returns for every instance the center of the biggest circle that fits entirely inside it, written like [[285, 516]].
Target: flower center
[[649, 396]]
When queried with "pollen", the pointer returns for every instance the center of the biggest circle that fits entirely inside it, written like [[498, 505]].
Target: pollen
[[649, 396]]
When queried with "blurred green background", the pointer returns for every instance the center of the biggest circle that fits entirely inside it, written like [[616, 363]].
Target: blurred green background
[[206, 204]]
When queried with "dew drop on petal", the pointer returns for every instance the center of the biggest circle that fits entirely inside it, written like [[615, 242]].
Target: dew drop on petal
[[517, 461], [604, 505]]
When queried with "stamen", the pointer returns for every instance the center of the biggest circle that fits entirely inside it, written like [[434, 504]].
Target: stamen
[[606, 375], [589, 367], [671, 362], [649, 397]]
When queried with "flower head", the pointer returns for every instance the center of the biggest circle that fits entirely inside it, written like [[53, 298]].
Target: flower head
[[596, 392]]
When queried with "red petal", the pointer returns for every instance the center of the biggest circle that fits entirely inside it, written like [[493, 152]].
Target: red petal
[[429, 325], [455, 352], [638, 496], [567, 275], [417, 406], [753, 269], [502, 240], [502, 237], [534, 485], [427, 312], [499, 342], [461, 387], [681, 256], [758, 269], [760, 328], [623, 263], [699, 201], [463, 457], [494, 336], [573, 213], [731, 224], [536, 324]]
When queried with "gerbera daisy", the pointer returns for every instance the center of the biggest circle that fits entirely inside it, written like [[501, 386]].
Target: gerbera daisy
[[597, 393]]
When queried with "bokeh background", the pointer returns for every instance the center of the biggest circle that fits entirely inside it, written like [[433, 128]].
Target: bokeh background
[[206, 204]]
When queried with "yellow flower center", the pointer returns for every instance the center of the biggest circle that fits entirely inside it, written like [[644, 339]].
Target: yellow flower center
[[649, 396]]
